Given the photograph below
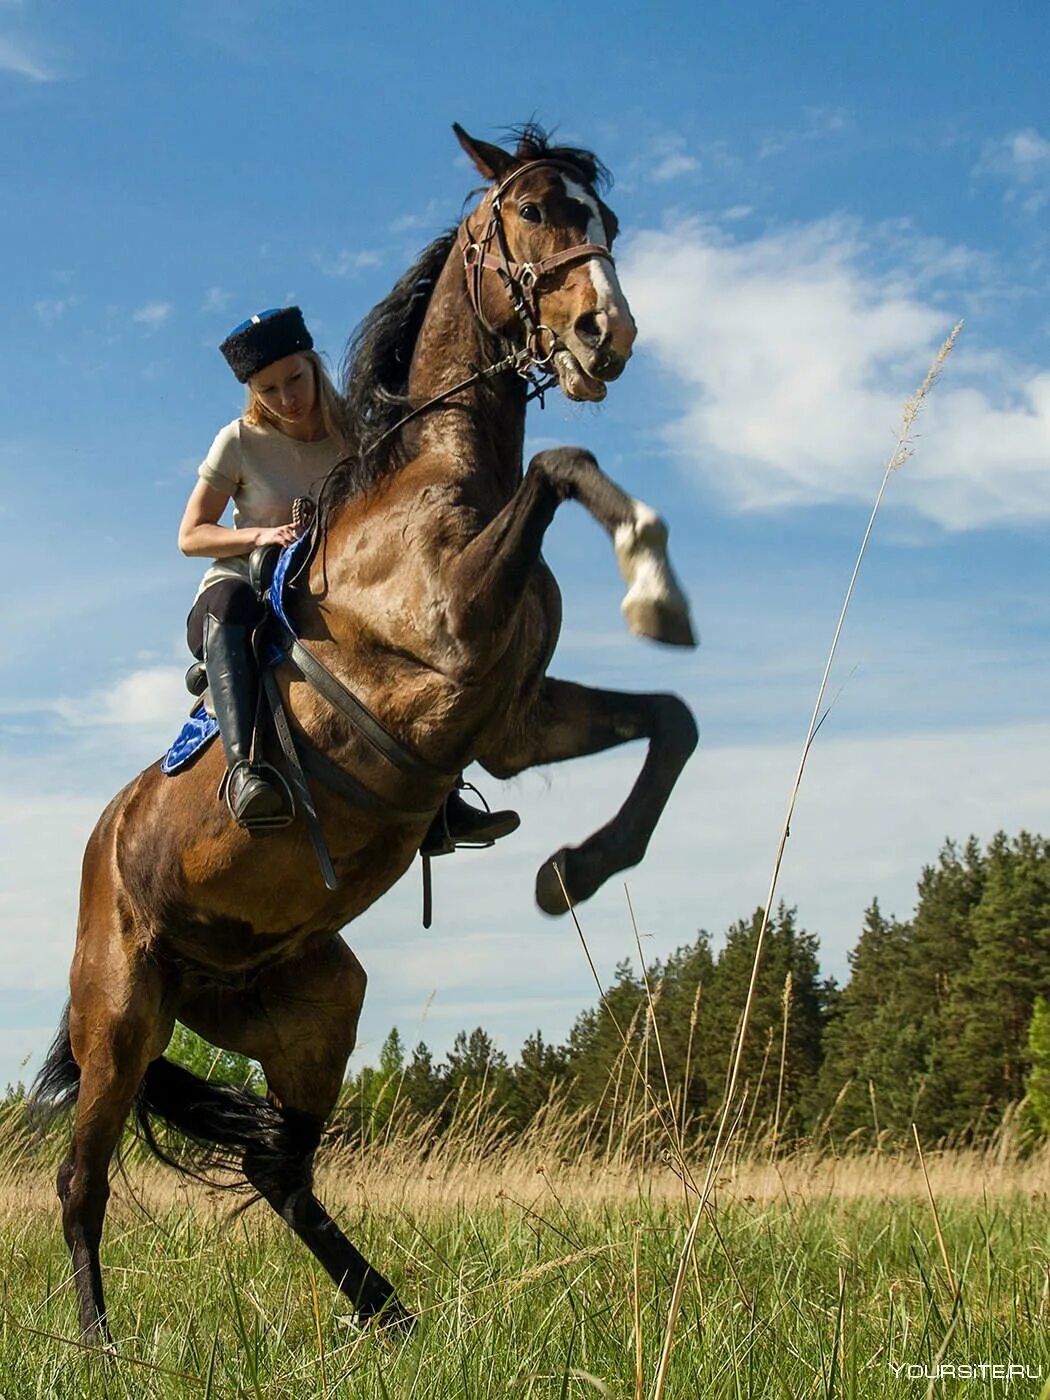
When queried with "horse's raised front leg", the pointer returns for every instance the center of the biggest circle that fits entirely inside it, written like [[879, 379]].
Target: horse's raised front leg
[[569, 721], [490, 574]]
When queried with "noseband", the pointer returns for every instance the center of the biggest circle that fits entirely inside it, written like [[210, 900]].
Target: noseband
[[520, 280]]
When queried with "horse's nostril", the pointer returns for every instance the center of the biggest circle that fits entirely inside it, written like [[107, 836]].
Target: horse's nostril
[[589, 329]]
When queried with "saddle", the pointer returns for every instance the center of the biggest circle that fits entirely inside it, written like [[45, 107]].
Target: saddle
[[271, 570]]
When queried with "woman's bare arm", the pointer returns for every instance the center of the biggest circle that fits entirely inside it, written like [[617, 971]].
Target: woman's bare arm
[[201, 535]]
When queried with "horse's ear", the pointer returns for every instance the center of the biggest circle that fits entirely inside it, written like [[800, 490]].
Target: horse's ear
[[492, 161]]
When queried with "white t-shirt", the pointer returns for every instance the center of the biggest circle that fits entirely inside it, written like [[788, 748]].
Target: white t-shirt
[[263, 471]]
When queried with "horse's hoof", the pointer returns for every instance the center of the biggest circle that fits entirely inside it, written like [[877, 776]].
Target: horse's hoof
[[550, 890], [392, 1318], [659, 619]]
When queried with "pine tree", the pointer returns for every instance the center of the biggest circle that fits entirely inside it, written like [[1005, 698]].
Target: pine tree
[[1038, 1082], [787, 950], [476, 1066], [941, 946], [602, 1070], [986, 1021], [423, 1087], [872, 1062], [539, 1069]]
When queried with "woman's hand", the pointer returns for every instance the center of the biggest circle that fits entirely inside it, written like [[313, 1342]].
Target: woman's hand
[[278, 534]]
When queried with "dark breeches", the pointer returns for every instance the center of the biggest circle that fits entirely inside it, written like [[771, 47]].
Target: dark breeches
[[228, 600]]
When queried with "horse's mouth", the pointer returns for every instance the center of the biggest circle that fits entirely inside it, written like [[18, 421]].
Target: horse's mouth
[[574, 380]]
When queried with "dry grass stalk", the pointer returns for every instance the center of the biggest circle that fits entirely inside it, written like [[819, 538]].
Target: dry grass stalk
[[636, 1300], [786, 1007], [651, 1002], [902, 450], [936, 1216], [694, 1017]]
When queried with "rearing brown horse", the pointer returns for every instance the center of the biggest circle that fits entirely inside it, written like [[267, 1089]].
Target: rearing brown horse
[[430, 598]]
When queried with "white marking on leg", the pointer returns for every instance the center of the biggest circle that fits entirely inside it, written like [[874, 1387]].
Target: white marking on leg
[[641, 552]]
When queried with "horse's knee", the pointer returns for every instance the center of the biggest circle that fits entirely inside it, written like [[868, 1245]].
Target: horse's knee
[[560, 467], [675, 725]]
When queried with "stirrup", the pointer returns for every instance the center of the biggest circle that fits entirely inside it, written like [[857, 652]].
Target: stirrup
[[466, 845], [276, 822], [439, 840]]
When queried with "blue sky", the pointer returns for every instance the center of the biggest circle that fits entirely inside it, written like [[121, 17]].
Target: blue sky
[[809, 197]]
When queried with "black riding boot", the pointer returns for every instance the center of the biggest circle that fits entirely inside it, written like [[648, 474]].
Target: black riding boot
[[459, 824], [255, 801]]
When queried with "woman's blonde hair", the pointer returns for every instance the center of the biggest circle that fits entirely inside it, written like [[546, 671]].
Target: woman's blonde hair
[[333, 406]]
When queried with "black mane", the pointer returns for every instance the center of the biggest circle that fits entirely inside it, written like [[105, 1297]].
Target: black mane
[[375, 375], [378, 356], [534, 144]]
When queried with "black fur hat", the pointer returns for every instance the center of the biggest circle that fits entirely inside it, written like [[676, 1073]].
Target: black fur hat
[[264, 338]]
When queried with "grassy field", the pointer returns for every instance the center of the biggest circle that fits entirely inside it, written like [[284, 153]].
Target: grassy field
[[539, 1277]]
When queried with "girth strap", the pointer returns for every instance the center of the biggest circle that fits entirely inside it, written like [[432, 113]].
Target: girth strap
[[351, 708], [344, 784]]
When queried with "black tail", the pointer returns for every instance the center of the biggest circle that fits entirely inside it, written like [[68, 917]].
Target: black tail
[[214, 1126], [54, 1090], [217, 1125]]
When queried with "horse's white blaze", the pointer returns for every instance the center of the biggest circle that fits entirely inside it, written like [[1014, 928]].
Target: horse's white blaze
[[608, 296], [641, 552]]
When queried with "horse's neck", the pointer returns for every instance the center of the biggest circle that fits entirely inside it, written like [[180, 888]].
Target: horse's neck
[[481, 434]]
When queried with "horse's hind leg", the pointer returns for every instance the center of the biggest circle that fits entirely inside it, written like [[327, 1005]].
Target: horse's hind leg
[[117, 1025], [311, 1012], [569, 721]]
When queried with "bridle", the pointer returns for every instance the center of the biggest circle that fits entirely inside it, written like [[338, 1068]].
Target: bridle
[[520, 280], [531, 361]]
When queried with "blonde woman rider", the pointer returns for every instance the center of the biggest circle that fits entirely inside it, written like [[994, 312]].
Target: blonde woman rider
[[292, 432]]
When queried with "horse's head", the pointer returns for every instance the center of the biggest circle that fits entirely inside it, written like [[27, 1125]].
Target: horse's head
[[539, 270]]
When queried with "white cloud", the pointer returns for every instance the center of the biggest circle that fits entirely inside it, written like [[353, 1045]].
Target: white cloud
[[872, 811], [216, 299], [15, 59], [793, 360], [674, 165], [152, 314], [818, 123], [1022, 159], [153, 697], [435, 214], [51, 309], [347, 262]]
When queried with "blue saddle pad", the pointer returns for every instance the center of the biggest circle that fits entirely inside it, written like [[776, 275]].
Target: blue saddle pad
[[201, 728], [193, 738]]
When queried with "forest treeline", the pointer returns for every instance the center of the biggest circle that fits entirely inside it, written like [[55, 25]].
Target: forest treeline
[[943, 1022]]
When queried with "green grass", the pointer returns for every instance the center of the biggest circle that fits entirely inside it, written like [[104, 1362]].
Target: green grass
[[817, 1279]]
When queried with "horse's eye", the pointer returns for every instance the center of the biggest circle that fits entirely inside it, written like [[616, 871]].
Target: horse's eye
[[531, 213]]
